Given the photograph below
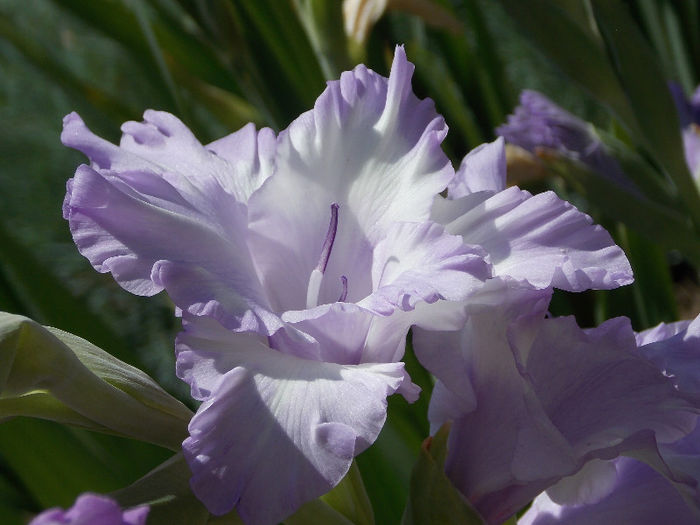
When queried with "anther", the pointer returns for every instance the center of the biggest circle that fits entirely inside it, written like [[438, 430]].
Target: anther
[[344, 293]]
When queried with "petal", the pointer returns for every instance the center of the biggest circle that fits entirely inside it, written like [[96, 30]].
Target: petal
[[549, 397], [231, 296], [597, 389], [368, 145], [677, 354], [541, 239], [349, 334], [102, 154], [539, 122], [640, 496], [242, 160], [277, 430], [483, 169], [93, 508], [660, 331], [592, 483], [419, 262], [448, 405], [337, 333], [251, 154], [155, 229], [452, 355]]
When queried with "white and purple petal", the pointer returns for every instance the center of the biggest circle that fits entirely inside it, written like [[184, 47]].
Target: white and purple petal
[[540, 239], [277, 431], [419, 262], [154, 228], [370, 147]]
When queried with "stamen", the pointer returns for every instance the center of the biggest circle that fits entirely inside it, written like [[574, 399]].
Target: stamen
[[330, 238], [314, 288], [344, 293], [316, 276]]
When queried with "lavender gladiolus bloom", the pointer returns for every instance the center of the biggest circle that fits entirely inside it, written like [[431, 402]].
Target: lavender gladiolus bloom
[[628, 489], [534, 400], [295, 262], [92, 509], [299, 262], [539, 123]]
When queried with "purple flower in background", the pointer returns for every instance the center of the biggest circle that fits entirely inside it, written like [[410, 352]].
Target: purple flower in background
[[534, 400], [689, 115], [539, 123], [296, 262], [628, 489], [92, 509]]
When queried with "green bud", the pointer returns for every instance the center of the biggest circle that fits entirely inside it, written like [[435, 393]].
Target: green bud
[[54, 375]]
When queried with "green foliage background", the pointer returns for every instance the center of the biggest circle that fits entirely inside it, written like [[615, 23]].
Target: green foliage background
[[219, 64]]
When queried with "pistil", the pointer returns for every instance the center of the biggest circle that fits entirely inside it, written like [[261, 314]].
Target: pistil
[[316, 276]]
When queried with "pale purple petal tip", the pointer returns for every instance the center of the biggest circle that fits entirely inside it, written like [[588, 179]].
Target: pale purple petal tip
[[483, 169]]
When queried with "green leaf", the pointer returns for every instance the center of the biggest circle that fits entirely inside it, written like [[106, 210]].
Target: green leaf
[[155, 50], [648, 179], [651, 294], [46, 62], [444, 89], [171, 50], [433, 499], [645, 85], [47, 299], [317, 511], [572, 48], [52, 465], [114, 19], [323, 22], [54, 375], [275, 26]]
